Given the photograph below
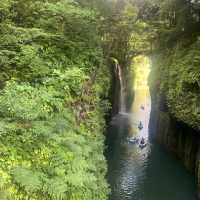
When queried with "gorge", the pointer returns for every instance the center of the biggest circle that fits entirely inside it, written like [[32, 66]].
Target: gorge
[[148, 172], [99, 99]]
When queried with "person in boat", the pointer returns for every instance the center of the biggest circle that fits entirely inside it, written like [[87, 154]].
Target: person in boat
[[142, 143], [140, 126], [142, 107]]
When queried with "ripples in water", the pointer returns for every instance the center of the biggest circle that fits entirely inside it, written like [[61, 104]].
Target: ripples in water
[[148, 173], [144, 174]]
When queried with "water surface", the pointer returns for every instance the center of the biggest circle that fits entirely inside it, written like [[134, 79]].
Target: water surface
[[148, 173]]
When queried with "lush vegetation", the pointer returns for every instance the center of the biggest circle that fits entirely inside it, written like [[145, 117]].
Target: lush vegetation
[[176, 58], [54, 84], [55, 78]]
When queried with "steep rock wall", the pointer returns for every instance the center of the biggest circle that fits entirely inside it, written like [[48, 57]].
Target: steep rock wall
[[177, 137], [175, 91]]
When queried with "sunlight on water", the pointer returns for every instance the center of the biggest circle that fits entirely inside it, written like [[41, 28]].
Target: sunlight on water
[[141, 106], [142, 171], [135, 157]]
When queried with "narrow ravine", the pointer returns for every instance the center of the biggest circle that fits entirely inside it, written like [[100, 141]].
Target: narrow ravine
[[138, 171]]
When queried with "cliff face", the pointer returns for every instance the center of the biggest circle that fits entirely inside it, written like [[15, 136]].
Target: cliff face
[[177, 137], [175, 91]]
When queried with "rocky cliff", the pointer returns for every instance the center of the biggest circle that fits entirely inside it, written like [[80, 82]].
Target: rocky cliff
[[175, 91]]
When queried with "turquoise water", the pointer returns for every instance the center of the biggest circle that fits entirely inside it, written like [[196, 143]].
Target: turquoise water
[[148, 173], [144, 174]]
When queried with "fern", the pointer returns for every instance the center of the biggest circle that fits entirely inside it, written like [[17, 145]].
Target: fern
[[56, 188], [29, 180], [49, 52]]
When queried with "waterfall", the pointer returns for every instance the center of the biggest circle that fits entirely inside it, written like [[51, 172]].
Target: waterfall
[[122, 103]]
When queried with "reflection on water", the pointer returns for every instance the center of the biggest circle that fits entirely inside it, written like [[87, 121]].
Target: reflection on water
[[147, 173], [141, 106]]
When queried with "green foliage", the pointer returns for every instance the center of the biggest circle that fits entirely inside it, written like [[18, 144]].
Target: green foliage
[[118, 28], [23, 102], [27, 179], [184, 83], [176, 59], [54, 87]]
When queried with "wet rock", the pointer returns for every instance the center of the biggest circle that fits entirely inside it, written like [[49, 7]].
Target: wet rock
[[178, 138]]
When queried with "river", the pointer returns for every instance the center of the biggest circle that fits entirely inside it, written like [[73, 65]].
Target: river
[[143, 172]]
